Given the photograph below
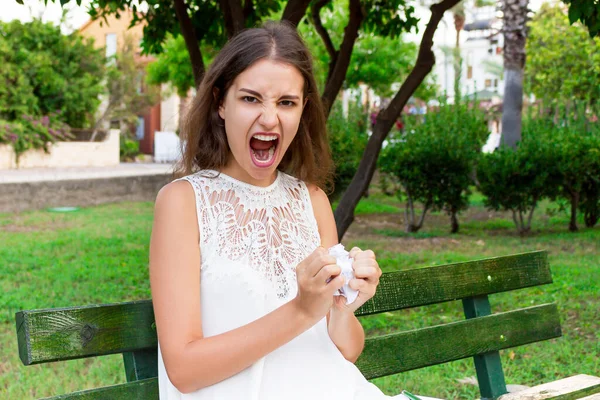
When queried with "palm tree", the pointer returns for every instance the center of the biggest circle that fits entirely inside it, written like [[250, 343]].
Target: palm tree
[[515, 34], [458, 13]]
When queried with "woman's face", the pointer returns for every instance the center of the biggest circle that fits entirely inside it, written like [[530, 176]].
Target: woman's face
[[262, 111]]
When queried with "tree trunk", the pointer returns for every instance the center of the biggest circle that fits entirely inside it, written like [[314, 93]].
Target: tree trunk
[[459, 23], [454, 222], [512, 107], [191, 42], [591, 218], [337, 73], [574, 205], [411, 224], [233, 14], [318, 24], [515, 33], [344, 213], [295, 10]]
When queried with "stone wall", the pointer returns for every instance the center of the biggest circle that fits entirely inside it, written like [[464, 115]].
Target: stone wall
[[16, 197], [66, 154]]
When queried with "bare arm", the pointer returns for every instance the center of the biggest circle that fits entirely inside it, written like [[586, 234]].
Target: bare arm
[[344, 328], [192, 361]]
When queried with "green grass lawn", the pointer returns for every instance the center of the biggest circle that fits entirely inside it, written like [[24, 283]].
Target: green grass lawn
[[99, 255]]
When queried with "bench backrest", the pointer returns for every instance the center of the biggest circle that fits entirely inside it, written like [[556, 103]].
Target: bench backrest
[[128, 328]]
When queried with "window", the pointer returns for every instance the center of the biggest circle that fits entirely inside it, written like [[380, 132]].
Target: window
[[111, 44], [139, 130], [488, 83]]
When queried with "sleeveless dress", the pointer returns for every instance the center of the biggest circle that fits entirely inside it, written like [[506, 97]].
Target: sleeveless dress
[[251, 239]]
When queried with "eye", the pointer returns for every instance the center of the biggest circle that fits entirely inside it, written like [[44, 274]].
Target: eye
[[287, 103], [249, 99]]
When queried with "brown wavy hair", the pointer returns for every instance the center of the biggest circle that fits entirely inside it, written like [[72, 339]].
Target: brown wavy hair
[[203, 132]]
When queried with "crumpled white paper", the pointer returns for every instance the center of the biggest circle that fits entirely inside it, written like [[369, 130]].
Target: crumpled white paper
[[345, 262]]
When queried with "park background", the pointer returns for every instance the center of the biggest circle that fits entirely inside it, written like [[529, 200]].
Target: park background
[[453, 163]]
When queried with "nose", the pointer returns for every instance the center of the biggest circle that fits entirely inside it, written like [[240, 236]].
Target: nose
[[268, 117]]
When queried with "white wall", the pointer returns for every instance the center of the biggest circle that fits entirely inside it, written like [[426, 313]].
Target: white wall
[[66, 154], [169, 111]]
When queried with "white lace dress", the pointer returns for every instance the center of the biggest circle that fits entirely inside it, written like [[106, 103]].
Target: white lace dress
[[252, 238]]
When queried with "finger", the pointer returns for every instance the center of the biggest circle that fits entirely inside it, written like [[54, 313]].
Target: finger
[[354, 251], [328, 271], [318, 262], [369, 262], [366, 272], [365, 254], [360, 284], [337, 283]]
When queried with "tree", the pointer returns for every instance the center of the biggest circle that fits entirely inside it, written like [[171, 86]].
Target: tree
[[515, 34], [128, 95], [344, 213], [433, 160], [563, 62], [172, 66], [586, 11], [44, 71], [371, 51], [202, 21]]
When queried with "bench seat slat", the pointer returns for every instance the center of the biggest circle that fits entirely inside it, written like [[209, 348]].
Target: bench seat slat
[[404, 351], [144, 389], [431, 285]]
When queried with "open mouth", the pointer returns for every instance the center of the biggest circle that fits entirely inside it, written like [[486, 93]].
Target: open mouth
[[263, 148]]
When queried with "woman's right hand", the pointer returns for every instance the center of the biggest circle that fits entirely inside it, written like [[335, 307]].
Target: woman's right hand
[[319, 277]]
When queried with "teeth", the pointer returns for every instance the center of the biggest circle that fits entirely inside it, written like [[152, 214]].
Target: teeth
[[265, 137]]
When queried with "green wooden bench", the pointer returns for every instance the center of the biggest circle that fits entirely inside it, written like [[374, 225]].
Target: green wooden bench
[[128, 328]]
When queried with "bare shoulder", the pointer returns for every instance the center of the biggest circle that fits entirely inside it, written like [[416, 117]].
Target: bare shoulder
[[317, 195], [323, 214], [175, 193], [176, 197], [176, 206]]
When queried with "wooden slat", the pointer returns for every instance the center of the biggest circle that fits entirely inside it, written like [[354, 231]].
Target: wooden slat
[[391, 354], [77, 332], [574, 387], [146, 389], [430, 285]]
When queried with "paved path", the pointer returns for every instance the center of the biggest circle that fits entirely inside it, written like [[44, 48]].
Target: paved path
[[76, 173]]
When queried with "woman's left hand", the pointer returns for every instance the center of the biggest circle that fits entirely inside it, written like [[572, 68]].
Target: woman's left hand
[[366, 279]]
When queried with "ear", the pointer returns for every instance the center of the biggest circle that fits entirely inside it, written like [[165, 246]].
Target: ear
[[216, 98], [305, 101]]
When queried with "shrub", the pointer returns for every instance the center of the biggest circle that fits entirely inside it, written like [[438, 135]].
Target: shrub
[[516, 180], [33, 133], [348, 140], [576, 142], [558, 158], [434, 160], [129, 148], [44, 70]]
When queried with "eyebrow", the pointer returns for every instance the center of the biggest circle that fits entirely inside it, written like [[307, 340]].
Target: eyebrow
[[285, 96]]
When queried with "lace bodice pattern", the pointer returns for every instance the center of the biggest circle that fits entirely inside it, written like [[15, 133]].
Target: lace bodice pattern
[[267, 229]]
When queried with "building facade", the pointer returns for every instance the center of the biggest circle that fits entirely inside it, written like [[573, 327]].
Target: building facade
[[111, 35]]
